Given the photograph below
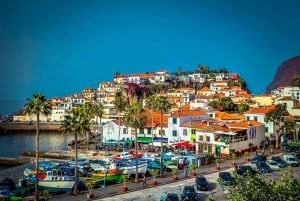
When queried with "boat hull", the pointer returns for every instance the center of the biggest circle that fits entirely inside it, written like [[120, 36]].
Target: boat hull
[[142, 168], [57, 186], [110, 177]]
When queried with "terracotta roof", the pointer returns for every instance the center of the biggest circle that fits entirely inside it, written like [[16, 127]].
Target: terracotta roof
[[245, 95], [195, 124], [245, 123], [185, 107], [227, 116], [260, 110], [180, 113], [205, 89], [156, 118], [286, 98]]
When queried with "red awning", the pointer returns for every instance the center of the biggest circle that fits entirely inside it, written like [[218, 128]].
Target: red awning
[[183, 144]]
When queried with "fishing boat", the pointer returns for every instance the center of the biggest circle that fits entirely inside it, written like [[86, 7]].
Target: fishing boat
[[55, 180], [130, 167], [111, 175]]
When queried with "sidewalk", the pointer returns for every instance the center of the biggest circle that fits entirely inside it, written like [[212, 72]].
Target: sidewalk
[[113, 190]]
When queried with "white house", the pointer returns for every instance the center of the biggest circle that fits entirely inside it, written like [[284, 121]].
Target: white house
[[177, 118], [219, 139]]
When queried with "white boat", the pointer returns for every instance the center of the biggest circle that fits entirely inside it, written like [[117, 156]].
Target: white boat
[[98, 165], [56, 180], [130, 168]]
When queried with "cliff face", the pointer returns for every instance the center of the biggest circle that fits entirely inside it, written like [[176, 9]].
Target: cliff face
[[285, 73]]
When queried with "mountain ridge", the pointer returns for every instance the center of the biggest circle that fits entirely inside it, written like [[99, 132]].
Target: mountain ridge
[[285, 73]]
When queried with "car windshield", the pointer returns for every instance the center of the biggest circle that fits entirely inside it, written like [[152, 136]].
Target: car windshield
[[202, 180], [172, 197], [189, 190]]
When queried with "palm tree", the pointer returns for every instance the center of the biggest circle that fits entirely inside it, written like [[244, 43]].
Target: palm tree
[[98, 111], [276, 117], [150, 104], [120, 103], [135, 117], [37, 105], [162, 105], [76, 122]]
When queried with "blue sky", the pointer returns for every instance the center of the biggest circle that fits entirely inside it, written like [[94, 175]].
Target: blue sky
[[59, 47]]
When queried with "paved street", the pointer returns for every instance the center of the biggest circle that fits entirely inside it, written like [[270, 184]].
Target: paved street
[[138, 193]]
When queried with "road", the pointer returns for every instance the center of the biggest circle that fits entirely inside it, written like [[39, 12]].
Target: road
[[217, 192]]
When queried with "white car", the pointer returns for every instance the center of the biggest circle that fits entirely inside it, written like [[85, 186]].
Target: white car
[[272, 164]]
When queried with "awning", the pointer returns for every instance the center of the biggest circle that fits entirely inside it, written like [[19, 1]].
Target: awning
[[183, 144], [159, 139], [144, 139], [125, 141], [111, 141]]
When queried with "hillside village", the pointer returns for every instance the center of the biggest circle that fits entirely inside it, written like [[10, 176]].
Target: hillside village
[[213, 112]]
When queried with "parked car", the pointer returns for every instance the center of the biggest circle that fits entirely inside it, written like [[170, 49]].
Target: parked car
[[263, 167], [291, 160], [280, 162], [201, 183], [170, 197], [226, 179], [245, 169], [188, 193], [255, 159], [273, 165]]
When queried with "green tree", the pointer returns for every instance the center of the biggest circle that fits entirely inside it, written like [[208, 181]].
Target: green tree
[[99, 112], [37, 105], [226, 103], [135, 117], [76, 123], [289, 126], [120, 103], [256, 188], [150, 103], [276, 117], [242, 108], [162, 105]]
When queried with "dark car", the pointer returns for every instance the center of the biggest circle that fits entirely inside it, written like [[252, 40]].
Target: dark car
[[257, 158], [170, 197], [244, 170], [280, 162], [226, 179], [263, 167], [188, 193], [201, 183]]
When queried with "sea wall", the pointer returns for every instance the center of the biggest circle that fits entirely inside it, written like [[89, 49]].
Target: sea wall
[[15, 172], [20, 126]]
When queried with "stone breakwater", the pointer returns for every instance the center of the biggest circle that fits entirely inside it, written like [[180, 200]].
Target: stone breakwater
[[16, 172], [18, 126]]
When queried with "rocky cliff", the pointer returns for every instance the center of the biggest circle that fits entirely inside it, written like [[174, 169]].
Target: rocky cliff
[[285, 73]]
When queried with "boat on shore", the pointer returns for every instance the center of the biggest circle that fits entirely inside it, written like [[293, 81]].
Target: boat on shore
[[130, 167], [55, 180], [110, 176]]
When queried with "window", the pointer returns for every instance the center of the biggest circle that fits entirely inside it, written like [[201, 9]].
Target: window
[[124, 130], [266, 129], [193, 131], [149, 131], [207, 138], [255, 118], [141, 131], [201, 138], [184, 132], [247, 118], [174, 133], [174, 120], [163, 132]]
